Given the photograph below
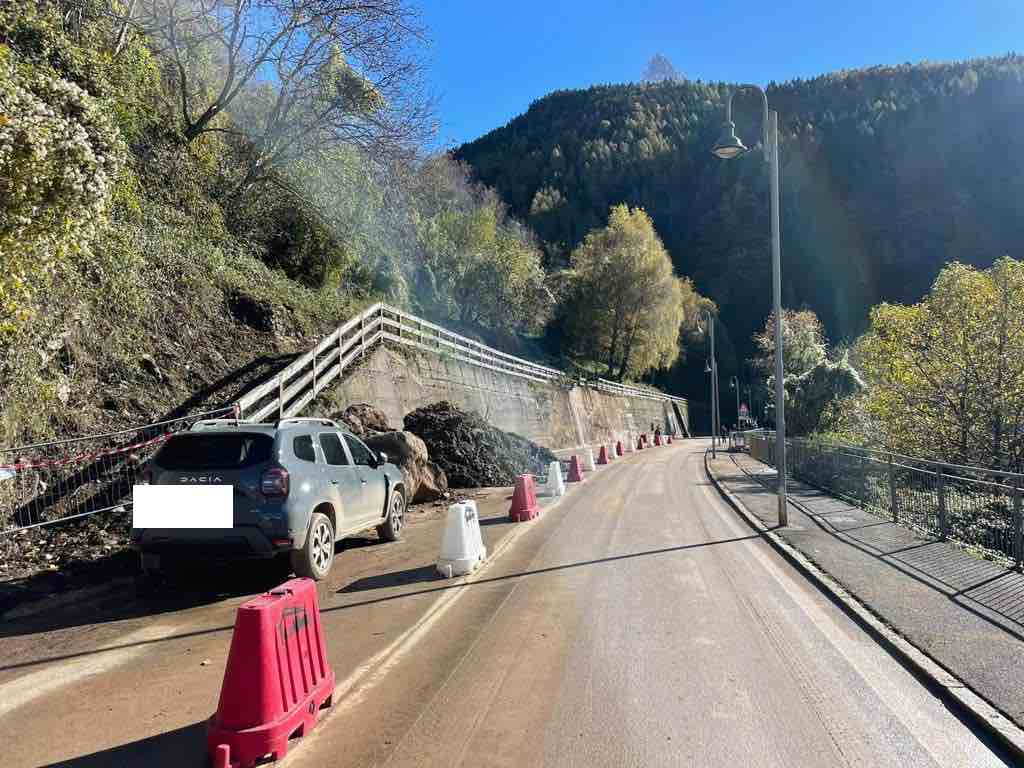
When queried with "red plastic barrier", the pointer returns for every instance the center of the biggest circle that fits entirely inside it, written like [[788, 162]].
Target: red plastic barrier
[[618, 448], [657, 439], [524, 500], [669, 439], [277, 678], [575, 471], [602, 455]]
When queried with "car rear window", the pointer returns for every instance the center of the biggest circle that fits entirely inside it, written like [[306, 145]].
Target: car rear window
[[227, 451]]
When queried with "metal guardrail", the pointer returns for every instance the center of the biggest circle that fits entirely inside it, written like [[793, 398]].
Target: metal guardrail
[[65, 479], [623, 389], [972, 506]]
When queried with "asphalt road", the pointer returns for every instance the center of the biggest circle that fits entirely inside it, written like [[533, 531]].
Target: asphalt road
[[636, 623], [645, 626]]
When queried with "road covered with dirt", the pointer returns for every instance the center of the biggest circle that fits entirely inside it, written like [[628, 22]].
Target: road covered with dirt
[[126, 679], [637, 621]]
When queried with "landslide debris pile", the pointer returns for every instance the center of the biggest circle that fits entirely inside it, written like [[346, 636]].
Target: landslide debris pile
[[472, 453]]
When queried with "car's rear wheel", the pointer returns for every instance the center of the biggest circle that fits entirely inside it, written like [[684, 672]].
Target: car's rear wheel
[[391, 529], [315, 558]]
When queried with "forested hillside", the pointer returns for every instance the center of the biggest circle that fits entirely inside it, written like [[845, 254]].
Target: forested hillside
[[888, 173]]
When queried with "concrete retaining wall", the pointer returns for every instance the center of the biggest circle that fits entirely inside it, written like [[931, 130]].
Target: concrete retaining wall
[[400, 381]]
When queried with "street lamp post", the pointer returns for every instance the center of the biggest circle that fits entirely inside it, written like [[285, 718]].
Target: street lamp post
[[712, 368], [734, 382], [728, 147]]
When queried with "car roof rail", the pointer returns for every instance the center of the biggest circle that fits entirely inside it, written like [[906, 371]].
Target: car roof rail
[[229, 423], [219, 423], [307, 420]]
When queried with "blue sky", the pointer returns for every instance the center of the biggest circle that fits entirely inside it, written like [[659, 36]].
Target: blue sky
[[488, 60]]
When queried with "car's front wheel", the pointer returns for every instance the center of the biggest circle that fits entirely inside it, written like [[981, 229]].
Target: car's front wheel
[[391, 529], [315, 558]]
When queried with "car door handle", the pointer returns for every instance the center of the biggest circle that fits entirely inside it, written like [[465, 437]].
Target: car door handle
[[334, 482], [362, 482]]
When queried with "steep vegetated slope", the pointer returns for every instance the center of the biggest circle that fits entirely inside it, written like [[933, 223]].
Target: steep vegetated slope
[[171, 231], [126, 292], [888, 173]]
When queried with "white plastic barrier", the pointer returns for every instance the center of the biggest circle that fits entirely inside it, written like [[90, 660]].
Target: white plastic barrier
[[462, 546], [588, 460], [630, 444], [555, 483]]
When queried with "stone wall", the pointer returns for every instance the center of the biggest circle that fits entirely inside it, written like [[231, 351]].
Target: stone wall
[[398, 381]]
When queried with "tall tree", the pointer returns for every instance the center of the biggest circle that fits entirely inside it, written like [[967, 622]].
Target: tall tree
[[803, 343], [626, 308], [296, 76], [473, 263]]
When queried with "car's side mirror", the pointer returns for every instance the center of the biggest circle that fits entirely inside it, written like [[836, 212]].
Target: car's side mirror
[[382, 458]]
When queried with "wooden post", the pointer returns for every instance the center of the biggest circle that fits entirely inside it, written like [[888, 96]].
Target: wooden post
[[362, 335]]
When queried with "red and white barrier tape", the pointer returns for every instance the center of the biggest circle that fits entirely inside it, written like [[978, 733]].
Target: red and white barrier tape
[[234, 409], [85, 456]]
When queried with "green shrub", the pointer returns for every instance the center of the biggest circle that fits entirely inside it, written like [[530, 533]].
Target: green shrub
[[60, 156]]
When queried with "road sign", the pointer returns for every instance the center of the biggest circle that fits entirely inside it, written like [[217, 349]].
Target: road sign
[[744, 411]]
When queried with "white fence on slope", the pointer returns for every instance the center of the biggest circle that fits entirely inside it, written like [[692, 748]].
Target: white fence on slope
[[293, 388]]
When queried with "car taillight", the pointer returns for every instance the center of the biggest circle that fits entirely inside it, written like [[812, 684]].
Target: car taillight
[[274, 482]]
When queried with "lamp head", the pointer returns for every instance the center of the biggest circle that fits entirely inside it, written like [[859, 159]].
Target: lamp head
[[728, 145]]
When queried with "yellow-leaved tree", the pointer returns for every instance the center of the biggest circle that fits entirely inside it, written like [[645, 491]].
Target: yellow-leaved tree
[[625, 307], [946, 376]]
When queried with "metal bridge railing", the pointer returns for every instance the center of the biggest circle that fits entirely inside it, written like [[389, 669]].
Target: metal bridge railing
[[973, 506]]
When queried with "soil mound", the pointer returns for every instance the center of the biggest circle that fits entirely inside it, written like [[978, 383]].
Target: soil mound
[[472, 453]]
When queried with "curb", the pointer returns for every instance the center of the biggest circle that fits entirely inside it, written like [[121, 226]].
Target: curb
[[945, 684]]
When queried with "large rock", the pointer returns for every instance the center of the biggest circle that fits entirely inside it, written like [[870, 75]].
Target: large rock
[[424, 479], [433, 484], [363, 419]]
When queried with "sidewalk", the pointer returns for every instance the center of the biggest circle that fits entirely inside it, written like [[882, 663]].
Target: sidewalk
[[966, 613]]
